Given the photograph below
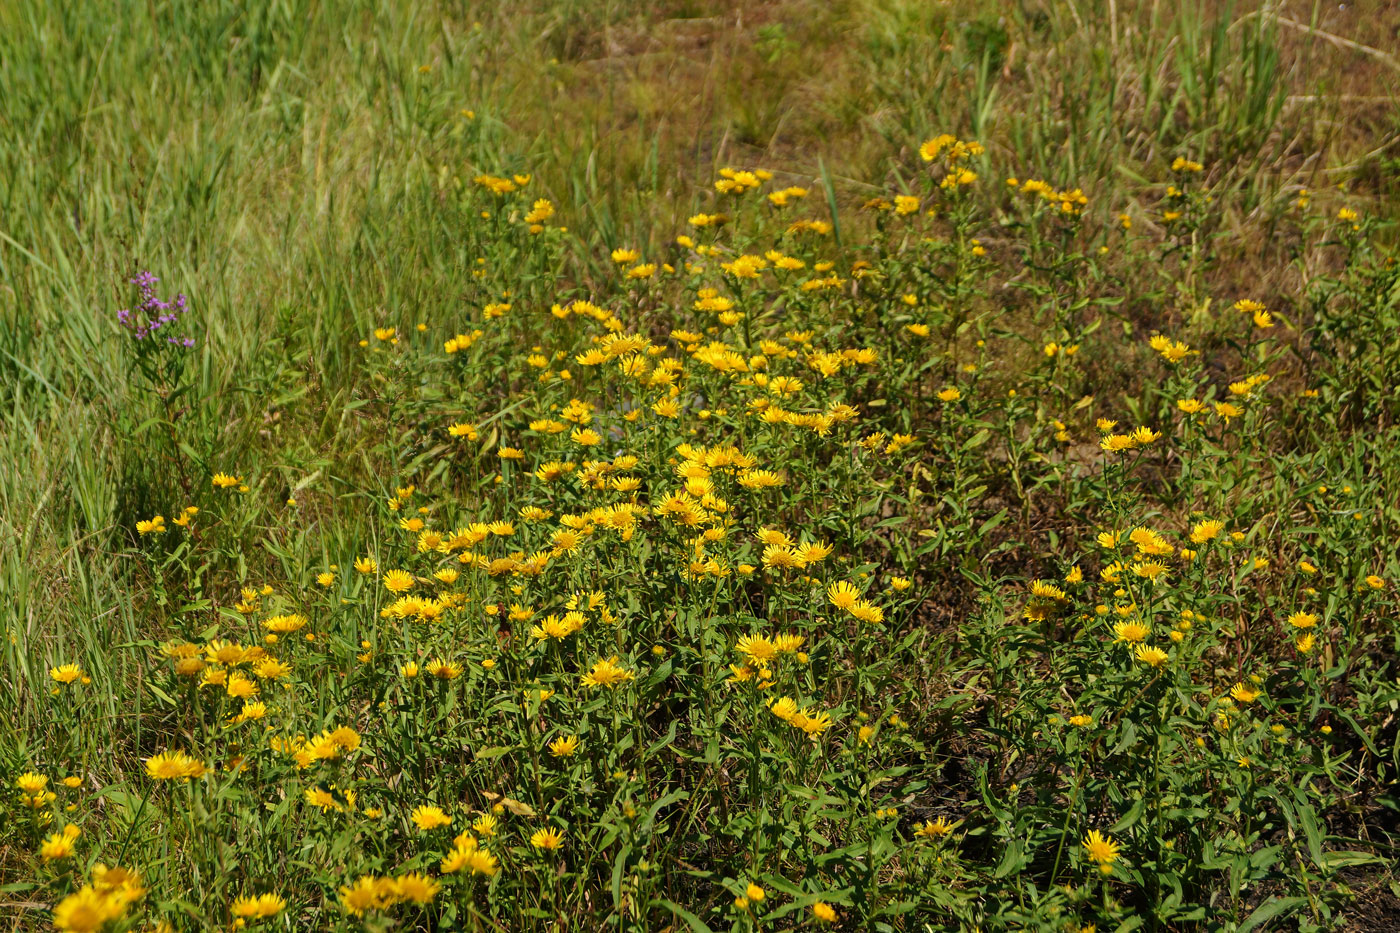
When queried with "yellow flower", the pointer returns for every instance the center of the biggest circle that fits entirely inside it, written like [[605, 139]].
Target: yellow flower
[[153, 526], [61, 844], [443, 670], [1243, 694], [1152, 657], [32, 783], [934, 829], [1206, 530], [416, 887], [174, 766], [428, 817], [1130, 632], [1145, 435], [1227, 410], [564, 746], [1100, 848], [263, 905], [1173, 351], [823, 912], [547, 840], [756, 648], [608, 674], [397, 581], [86, 911], [66, 673]]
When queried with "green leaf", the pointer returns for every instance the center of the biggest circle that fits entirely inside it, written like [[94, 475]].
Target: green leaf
[[1335, 860], [694, 922], [1273, 907], [1131, 817], [161, 695], [495, 751], [976, 440], [1308, 818], [992, 522], [1011, 860]]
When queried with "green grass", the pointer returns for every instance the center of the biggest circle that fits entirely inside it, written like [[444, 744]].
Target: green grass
[[303, 171]]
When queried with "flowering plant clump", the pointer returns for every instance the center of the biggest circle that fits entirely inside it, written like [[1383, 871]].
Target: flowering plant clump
[[152, 317], [963, 550]]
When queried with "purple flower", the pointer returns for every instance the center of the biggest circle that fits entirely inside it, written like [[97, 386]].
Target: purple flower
[[153, 313]]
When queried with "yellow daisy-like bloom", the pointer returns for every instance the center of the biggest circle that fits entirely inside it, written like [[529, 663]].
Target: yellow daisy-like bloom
[[398, 581], [61, 844], [757, 648], [1244, 694], [224, 480], [1145, 435], [32, 783], [174, 766], [868, 612], [1152, 657], [934, 829], [428, 817], [547, 840], [1302, 620], [443, 670], [564, 746], [1206, 531], [263, 905], [822, 912], [787, 644], [785, 708], [322, 798], [1226, 411], [754, 893], [931, 148], [1100, 849], [416, 887], [86, 911], [66, 673], [367, 893], [1173, 351], [608, 674]]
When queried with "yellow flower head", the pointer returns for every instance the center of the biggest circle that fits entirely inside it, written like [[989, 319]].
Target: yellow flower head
[[1100, 848]]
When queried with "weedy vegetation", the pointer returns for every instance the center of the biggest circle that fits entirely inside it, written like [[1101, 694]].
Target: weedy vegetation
[[871, 465]]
